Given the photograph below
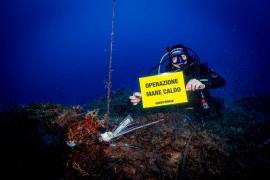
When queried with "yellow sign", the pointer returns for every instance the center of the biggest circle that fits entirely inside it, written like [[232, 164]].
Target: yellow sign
[[164, 89]]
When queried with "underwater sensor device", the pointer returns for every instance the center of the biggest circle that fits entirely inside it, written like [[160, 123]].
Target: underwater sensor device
[[121, 129]]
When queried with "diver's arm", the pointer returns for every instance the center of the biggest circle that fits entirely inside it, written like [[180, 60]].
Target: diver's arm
[[214, 80]]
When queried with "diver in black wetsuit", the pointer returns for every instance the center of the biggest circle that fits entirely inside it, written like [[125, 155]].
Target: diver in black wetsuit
[[199, 79]]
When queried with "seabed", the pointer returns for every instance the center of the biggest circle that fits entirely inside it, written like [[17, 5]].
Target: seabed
[[53, 141]]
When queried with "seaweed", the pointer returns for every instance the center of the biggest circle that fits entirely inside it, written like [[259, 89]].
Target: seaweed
[[61, 142]]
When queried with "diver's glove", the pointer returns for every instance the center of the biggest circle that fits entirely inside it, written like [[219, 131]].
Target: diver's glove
[[136, 98]]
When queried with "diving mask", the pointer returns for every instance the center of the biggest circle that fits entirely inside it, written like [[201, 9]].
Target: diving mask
[[177, 52], [179, 60]]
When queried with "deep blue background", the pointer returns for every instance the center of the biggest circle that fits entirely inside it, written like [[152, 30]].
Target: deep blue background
[[58, 51]]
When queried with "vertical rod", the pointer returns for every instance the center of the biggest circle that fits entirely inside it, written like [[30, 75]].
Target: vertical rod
[[110, 70]]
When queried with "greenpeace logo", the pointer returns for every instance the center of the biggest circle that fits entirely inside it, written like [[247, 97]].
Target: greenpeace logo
[[165, 102]]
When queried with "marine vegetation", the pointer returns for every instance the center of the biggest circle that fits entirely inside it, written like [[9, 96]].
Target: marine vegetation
[[53, 141]]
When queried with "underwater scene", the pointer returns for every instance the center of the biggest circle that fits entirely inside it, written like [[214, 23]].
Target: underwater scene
[[143, 90]]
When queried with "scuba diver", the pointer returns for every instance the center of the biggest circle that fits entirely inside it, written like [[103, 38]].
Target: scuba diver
[[198, 78]]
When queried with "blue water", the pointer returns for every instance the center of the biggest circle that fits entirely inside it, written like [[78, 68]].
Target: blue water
[[59, 51]]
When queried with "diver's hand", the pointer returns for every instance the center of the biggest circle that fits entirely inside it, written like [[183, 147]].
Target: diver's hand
[[136, 98], [194, 84]]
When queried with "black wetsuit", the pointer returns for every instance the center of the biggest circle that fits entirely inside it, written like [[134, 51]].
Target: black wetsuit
[[194, 70]]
